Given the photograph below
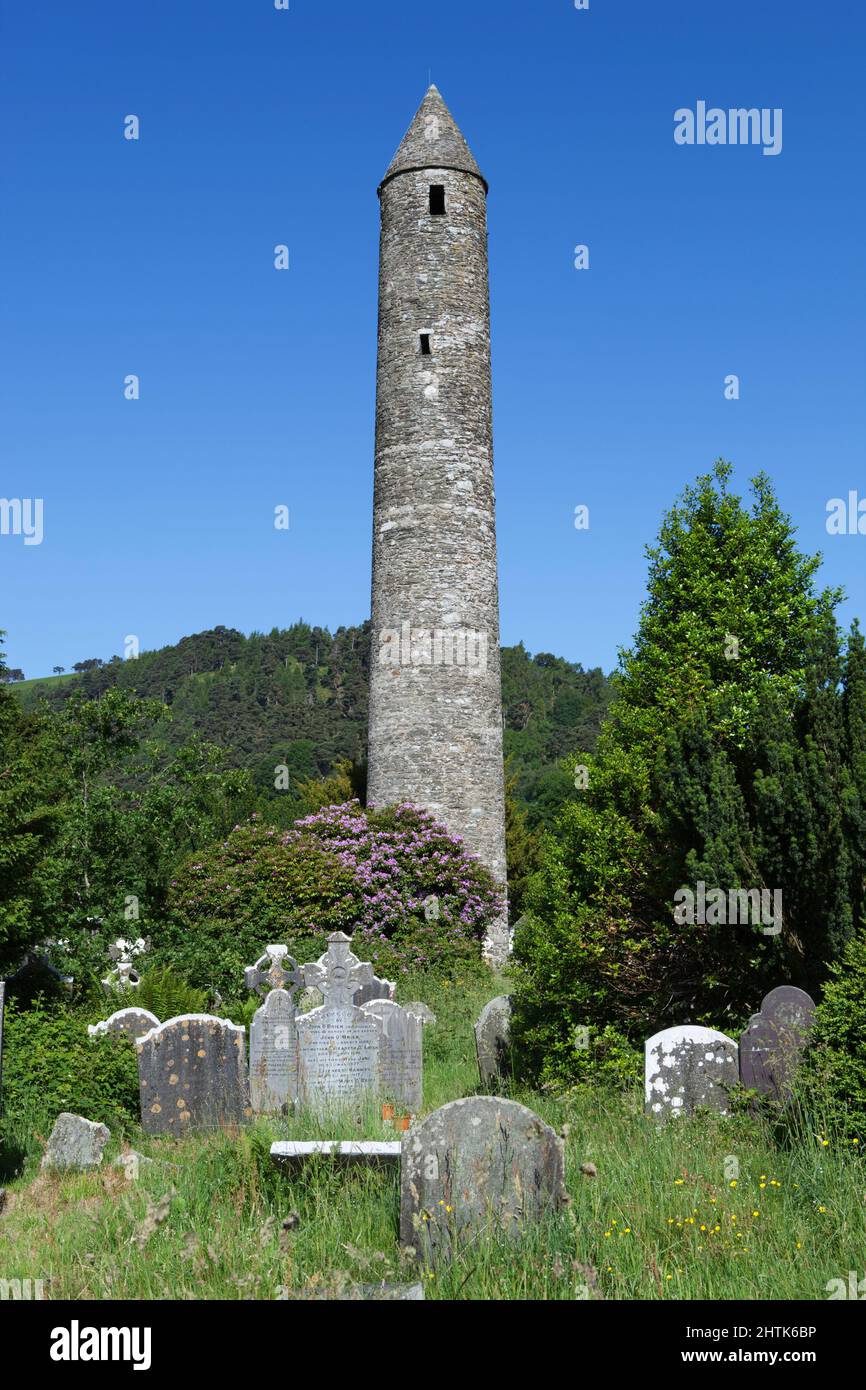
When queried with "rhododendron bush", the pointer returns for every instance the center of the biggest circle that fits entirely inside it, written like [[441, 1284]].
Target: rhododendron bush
[[406, 889]]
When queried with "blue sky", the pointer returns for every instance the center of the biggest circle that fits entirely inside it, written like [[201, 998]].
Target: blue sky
[[261, 127]]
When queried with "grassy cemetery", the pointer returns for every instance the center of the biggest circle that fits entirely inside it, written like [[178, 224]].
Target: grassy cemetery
[[253, 1046]]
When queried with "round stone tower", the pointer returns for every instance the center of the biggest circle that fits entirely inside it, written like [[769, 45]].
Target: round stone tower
[[435, 690]]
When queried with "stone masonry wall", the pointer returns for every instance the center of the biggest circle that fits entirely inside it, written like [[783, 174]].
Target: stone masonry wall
[[436, 726]]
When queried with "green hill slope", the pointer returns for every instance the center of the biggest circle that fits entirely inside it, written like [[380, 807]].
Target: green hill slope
[[298, 696]]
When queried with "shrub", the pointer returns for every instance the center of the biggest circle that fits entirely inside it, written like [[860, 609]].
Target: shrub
[[51, 1064], [368, 873], [166, 994], [834, 1074]]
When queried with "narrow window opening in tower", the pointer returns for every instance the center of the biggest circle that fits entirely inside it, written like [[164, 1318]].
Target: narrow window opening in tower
[[437, 200], [425, 344]]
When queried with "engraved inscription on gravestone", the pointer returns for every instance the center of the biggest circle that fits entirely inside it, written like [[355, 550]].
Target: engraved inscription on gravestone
[[338, 1056], [338, 1052], [274, 1055], [400, 1055], [273, 1031]]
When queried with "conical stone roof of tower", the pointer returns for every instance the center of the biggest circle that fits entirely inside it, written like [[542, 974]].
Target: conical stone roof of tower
[[433, 141]]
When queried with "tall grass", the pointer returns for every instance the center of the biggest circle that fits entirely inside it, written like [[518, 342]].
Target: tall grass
[[707, 1207]]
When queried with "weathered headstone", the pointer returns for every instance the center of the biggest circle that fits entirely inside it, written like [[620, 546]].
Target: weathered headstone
[[421, 1011], [338, 1051], [338, 974], [133, 1023], [400, 1052], [131, 1162], [483, 1163], [192, 1075], [75, 1143], [493, 1039], [269, 971], [772, 1046], [374, 989], [273, 1031], [687, 1068], [274, 1055], [308, 999]]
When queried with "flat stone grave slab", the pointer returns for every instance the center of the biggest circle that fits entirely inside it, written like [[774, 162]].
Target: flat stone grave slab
[[372, 1151]]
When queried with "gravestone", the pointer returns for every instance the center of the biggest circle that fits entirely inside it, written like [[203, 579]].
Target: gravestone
[[338, 1045], [273, 1032], [478, 1164], [35, 976], [75, 1143], [374, 989], [400, 1054], [772, 1046], [274, 1055], [192, 1075], [421, 1011], [269, 971], [493, 1039], [689, 1067], [133, 1023], [308, 999], [124, 976]]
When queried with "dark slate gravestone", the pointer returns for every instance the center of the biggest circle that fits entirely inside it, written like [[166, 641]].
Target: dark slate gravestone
[[192, 1075], [400, 1064], [478, 1164], [492, 1039], [75, 1143], [133, 1023], [688, 1068], [772, 1045]]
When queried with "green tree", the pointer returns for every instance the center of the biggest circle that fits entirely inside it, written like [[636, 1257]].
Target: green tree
[[27, 819], [725, 757]]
